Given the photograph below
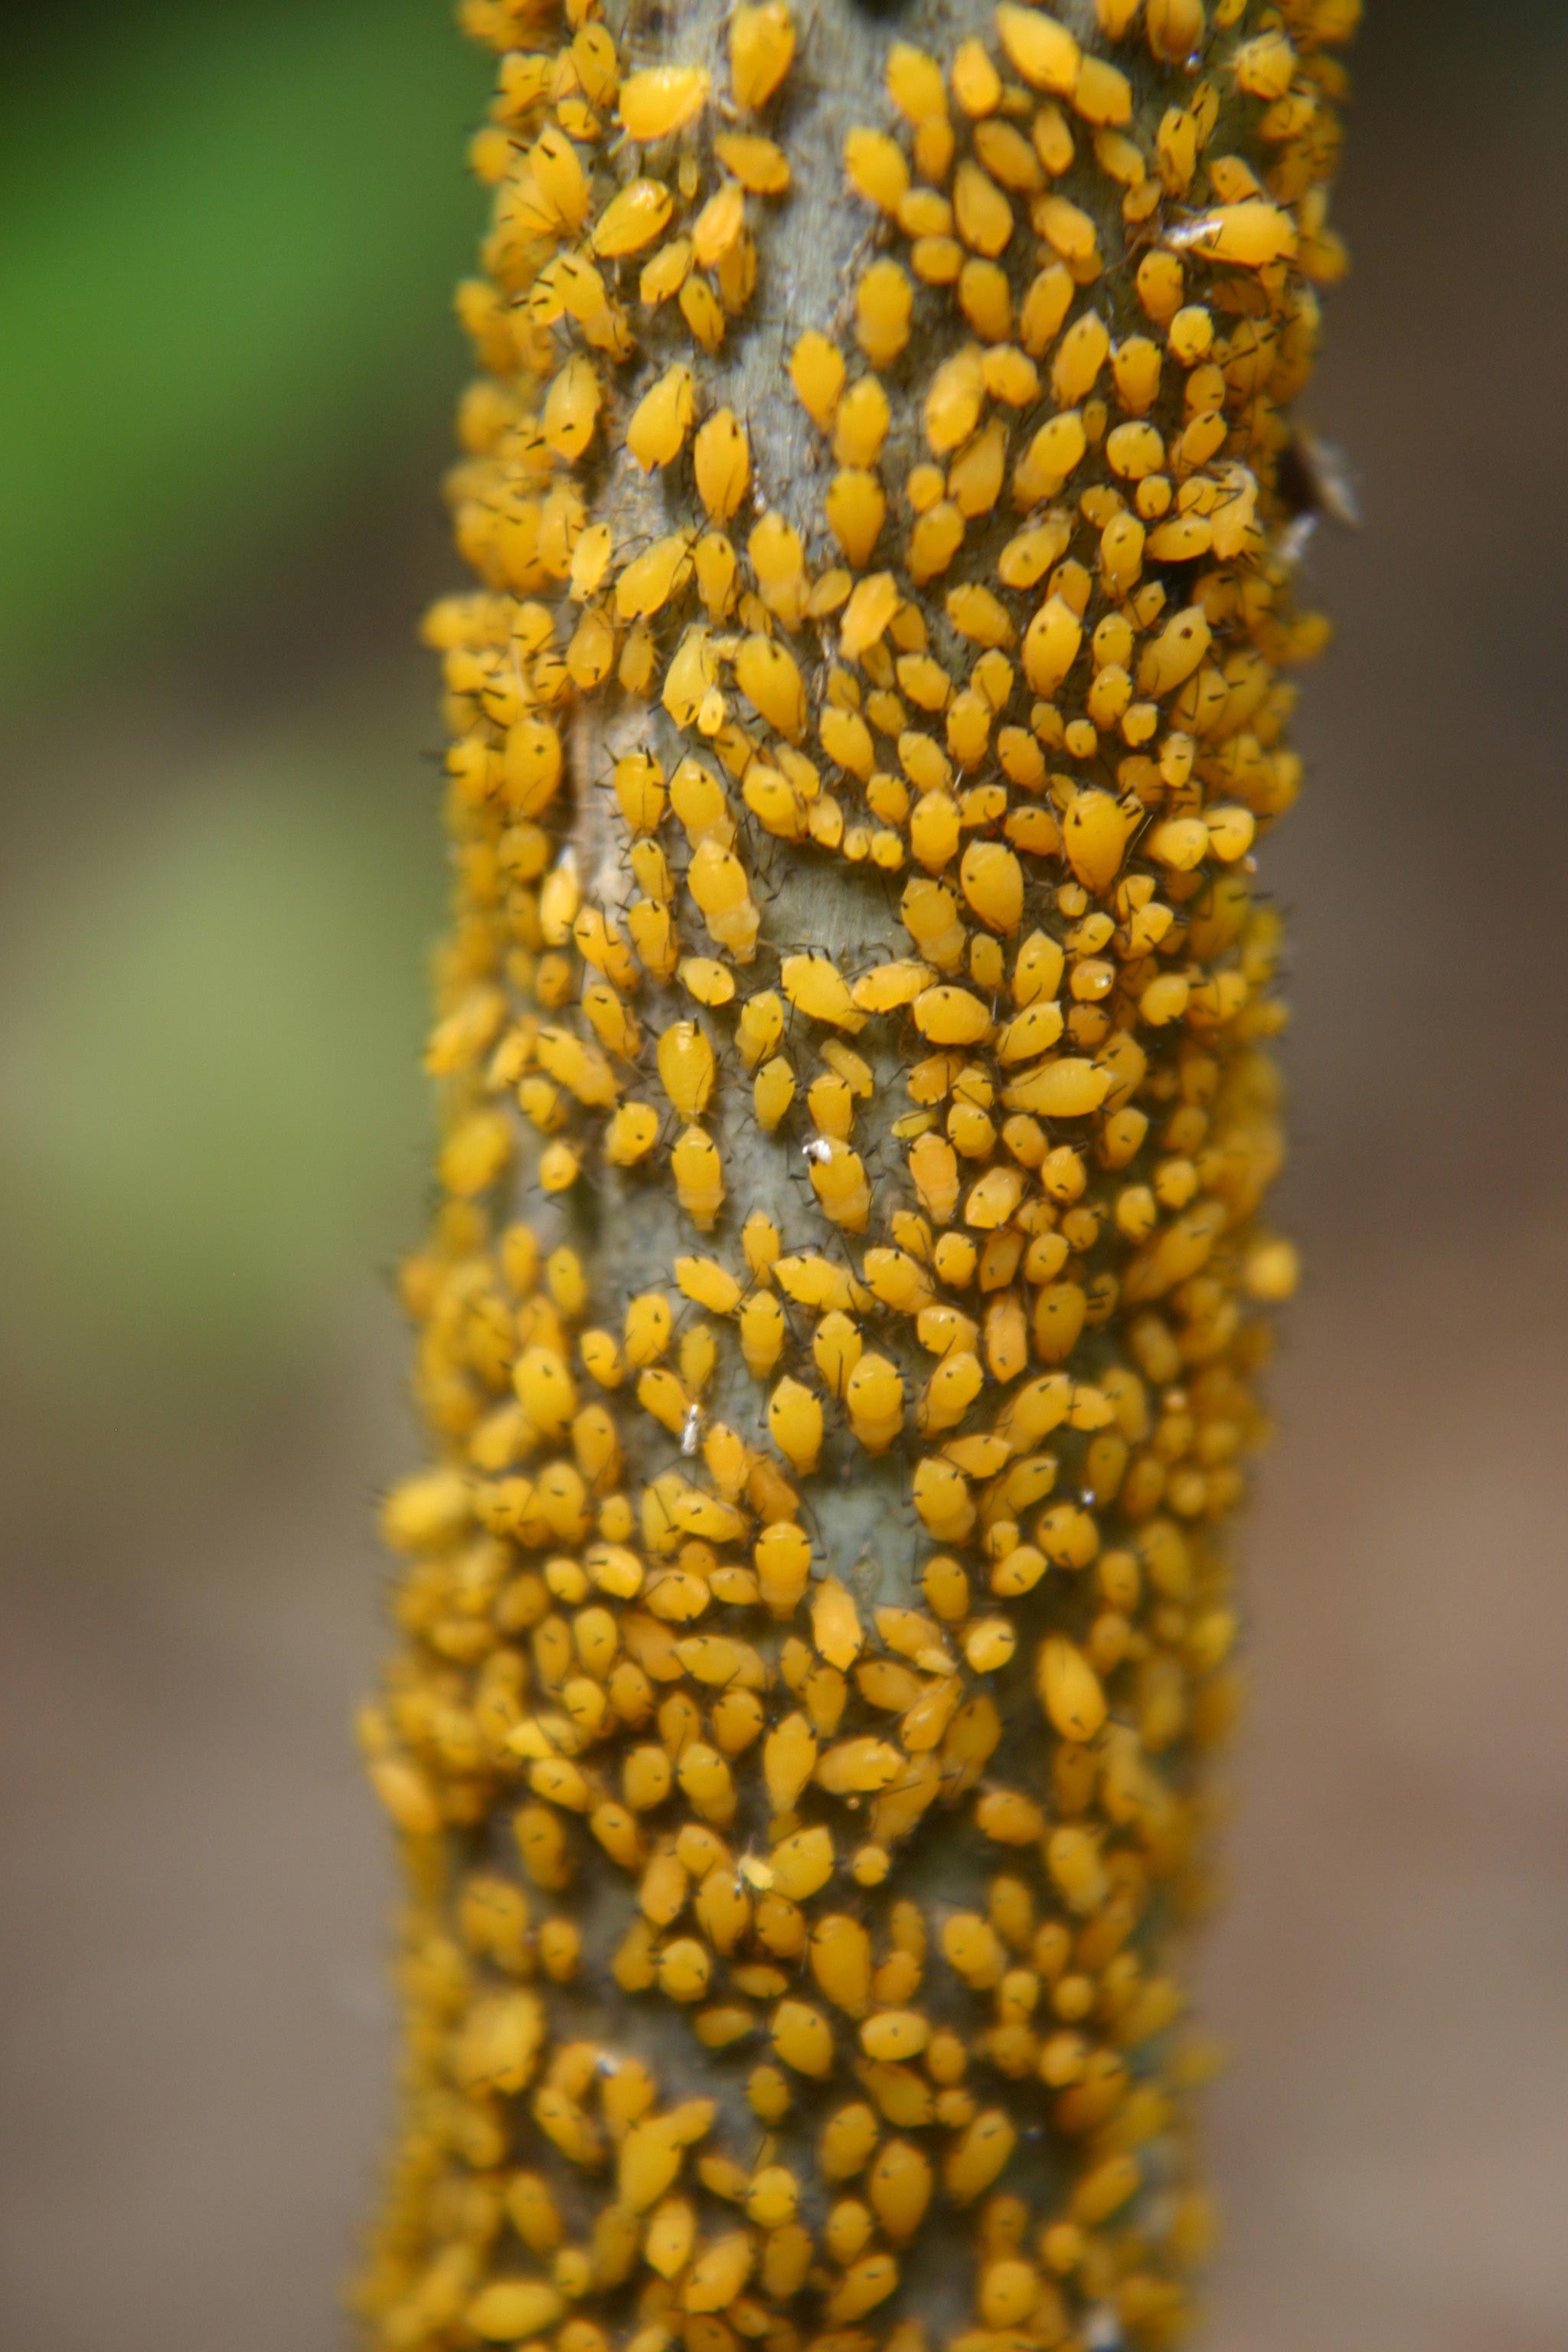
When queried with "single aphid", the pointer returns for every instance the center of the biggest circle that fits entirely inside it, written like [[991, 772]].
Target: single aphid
[[662, 99], [762, 44]]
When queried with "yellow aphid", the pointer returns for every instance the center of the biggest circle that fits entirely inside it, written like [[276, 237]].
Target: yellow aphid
[[759, 165], [861, 422], [934, 541], [838, 1179], [591, 559], [559, 177], [649, 580], [802, 2038], [760, 1027], [1135, 451], [982, 213], [663, 99], [659, 424], [836, 1624], [509, 2309], [1045, 306], [1038, 49], [766, 672], [875, 168], [717, 880], [795, 1424], [900, 2188], [874, 1399], [1265, 67], [1103, 94], [718, 225], [570, 405], [778, 564], [924, 215], [1051, 644], [639, 790], [530, 766], [802, 1864], [1273, 1271], [884, 300], [710, 1285], [545, 1389], [699, 1178], [976, 84], [952, 1016], [981, 2151], [889, 986], [686, 1068], [1070, 1689], [1169, 659], [1177, 150], [954, 400], [979, 616], [762, 44], [633, 219], [704, 312], [774, 803], [867, 613], [836, 1347], [713, 560], [974, 479], [1069, 231], [1008, 157], [671, 2232], [1174, 29], [1080, 356], [760, 1240], [698, 798], [1011, 377], [914, 83], [771, 1092], [1051, 458], [814, 986], [631, 1135], [789, 1759], [1250, 234], [937, 260], [816, 371], [931, 914], [722, 464], [1073, 1860], [711, 983], [763, 1333], [1136, 365], [855, 509], [951, 1391], [647, 1328], [992, 882]]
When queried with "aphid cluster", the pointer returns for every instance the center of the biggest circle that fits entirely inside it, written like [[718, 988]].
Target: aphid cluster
[[837, 1329]]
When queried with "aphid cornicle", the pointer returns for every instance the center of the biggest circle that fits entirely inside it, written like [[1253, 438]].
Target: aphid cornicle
[[838, 1328]]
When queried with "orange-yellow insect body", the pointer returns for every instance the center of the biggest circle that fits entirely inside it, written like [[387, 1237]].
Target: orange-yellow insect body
[[838, 1330], [662, 99]]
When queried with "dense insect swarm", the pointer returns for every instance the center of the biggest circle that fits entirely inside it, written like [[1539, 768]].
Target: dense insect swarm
[[838, 1328]]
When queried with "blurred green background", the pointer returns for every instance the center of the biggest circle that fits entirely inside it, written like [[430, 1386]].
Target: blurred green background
[[227, 239], [229, 242]]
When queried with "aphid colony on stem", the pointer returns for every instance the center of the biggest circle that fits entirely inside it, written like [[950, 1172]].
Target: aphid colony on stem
[[810, 1652]]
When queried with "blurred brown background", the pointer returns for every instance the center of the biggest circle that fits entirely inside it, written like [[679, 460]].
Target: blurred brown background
[[228, 241]]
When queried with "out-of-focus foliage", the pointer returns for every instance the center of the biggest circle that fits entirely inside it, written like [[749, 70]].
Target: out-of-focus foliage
[[230, 241], [209, 1097], [230, 237]]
